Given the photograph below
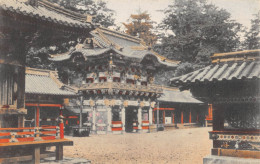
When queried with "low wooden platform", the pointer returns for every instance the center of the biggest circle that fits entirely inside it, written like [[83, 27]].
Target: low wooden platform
[[14, 152], [64, 142]]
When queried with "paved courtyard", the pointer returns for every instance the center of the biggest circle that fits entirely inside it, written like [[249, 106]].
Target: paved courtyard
[[185, 146]]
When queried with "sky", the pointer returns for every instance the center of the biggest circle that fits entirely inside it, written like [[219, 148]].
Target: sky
[[241, 10]]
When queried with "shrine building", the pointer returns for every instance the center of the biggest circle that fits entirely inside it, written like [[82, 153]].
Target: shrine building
[[117, 80], [44, 97], [231, 85], [179, 109], [20, 21]]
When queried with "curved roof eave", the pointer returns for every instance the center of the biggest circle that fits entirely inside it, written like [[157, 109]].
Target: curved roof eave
[[98, 52]]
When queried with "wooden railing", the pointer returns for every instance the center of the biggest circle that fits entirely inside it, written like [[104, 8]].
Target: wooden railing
[[30, 134], [123, 86]]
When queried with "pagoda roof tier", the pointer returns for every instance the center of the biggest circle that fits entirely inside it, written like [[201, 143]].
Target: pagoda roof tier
[[45, 11], [105, 40], [46, 82], [242, 65]]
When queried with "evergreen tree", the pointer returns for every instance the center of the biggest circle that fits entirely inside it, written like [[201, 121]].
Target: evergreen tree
[[252, 37], [199, 29], [141, 25]]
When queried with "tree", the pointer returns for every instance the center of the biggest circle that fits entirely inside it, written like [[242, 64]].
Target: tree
[[252, 37], [102, 14], [141, 25], [199, 29]]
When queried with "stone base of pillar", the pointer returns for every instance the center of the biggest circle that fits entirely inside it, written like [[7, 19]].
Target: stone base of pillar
[[93, 132], [102, 132], [224, 159], [143, 131], [117, 132]]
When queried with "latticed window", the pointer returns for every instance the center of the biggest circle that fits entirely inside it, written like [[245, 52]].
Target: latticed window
[[8, 86], [247, 117]]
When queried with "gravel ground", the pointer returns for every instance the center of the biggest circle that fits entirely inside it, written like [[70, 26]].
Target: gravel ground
[[181, 146]]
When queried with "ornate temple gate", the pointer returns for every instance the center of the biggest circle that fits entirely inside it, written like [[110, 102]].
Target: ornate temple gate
[[116, 83]]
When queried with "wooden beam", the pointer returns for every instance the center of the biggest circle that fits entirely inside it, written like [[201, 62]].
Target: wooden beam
[[46, 143], [37, 116], [36, 155], [164, 108], [173, 117], [190, 117], [181, 117], [43, 105], [164, 117], [236, 153], [59, 152]]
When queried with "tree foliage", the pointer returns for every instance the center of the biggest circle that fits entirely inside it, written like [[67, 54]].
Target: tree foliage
[[252, 37], [44, 42], [140, 25], [199, 29], [102, 14]]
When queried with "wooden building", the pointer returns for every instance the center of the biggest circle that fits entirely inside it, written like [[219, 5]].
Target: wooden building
[[180, 109], [231, 85], [117, 81], [45, 96], [20, 20]]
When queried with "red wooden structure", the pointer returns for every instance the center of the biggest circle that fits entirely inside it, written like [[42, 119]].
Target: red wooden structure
[[20, 21]]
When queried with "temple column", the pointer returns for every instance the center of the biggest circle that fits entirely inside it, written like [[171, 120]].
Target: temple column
[[151, 116], [109, 119], [20, 121], [139, 117], [190, 117], [181, 117], [123, 118], [94, 119]]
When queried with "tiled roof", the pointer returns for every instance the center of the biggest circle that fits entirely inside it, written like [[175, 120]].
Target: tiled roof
[[229, 67], [123, 44], [172, 95], [46, 11], [45, 82]]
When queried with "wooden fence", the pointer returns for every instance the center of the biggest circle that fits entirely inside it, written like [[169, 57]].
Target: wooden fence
[[30, 134]]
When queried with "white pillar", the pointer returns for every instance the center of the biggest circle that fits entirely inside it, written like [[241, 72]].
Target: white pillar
[[139, 117], [94, 119], [123, 118], [109, 119], [150, 115]]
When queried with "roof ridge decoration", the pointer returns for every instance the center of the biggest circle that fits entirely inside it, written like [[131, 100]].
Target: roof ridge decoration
[[61, 10], [109, 42], [245, 55], [170, 88], [120, 34], [36, 71]]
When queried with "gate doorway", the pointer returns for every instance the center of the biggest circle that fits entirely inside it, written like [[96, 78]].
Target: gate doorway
[[130, 117]]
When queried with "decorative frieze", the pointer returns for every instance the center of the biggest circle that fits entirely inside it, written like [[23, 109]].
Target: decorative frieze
[[124, 87], [229, 100], [233, 137]]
